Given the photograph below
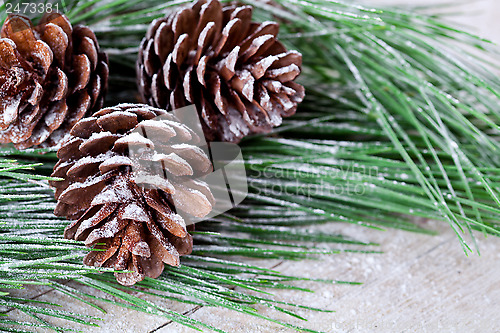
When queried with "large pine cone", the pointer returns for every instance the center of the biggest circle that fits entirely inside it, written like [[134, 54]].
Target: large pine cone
[[51, 76], [127, 200], [239, 76]]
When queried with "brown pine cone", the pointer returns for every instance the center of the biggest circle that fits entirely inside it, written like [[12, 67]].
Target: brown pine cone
[[127, 200], [51, 76], [239, 76]]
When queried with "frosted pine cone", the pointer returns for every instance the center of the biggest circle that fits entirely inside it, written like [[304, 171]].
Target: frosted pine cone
[[124, 200], [51, 76], [239, 76]]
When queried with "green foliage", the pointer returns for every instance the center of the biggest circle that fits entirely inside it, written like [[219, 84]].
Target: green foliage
[[427, 108], [33, 252]]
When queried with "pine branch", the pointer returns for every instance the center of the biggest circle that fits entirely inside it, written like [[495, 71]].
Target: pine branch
[[32, 251], [374, 77], [404, 74]]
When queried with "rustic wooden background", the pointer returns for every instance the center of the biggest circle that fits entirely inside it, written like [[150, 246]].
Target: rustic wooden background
[[420, 284]]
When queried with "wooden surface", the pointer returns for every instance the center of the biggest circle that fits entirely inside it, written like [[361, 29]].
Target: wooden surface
[[420, 284]]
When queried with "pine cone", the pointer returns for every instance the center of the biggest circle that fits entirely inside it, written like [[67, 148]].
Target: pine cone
[[239, 76], [122, 199], [51, 76]]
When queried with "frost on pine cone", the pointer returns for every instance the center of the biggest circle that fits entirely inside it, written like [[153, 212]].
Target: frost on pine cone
[[128, 200], [239, 76], [51, 76]]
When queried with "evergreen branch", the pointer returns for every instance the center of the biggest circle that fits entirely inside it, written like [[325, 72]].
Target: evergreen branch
[[33, 252]]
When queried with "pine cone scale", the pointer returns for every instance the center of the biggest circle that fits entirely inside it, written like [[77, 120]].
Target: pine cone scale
[[88, 47], [81, 73], [166, 217], [80, 229], [134, 240], [57, 40], [110, 228], [162, 247], [60, 89], [99, 257], [9, 110], [183, 23], [163, 36], [8, 58]]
